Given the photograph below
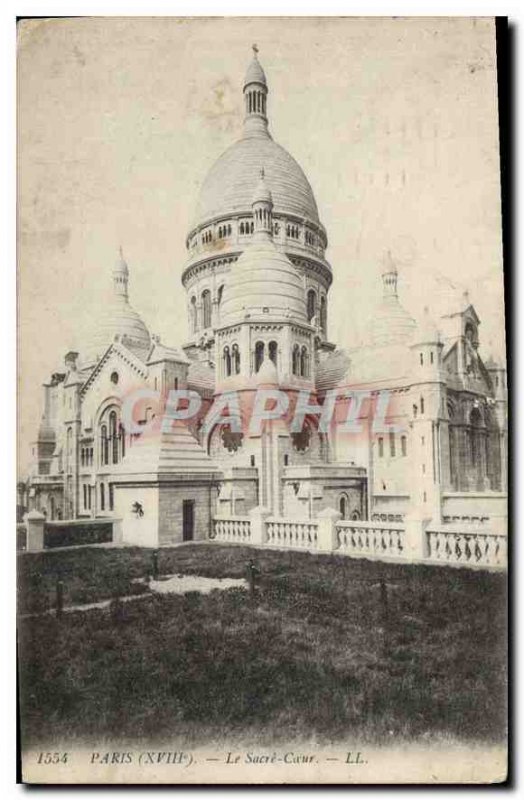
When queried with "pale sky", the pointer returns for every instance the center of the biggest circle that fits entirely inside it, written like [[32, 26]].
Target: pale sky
[[394, 122]]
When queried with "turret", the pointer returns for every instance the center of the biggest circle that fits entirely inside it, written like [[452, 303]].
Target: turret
[[427, 350], [255, 98], [262, 206], [121, 277]]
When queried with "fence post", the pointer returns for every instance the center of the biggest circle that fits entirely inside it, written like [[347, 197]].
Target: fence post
[[118, 532], [257, 518], [34, 522], [59, 598], [416, 539], [327, 529]]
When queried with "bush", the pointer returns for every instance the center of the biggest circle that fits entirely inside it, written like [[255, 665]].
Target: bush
[[67, 536]]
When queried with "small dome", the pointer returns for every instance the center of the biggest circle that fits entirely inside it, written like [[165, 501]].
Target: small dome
[[118, 322], [267, 375], [263, 282], [392, 324], [255, 73]]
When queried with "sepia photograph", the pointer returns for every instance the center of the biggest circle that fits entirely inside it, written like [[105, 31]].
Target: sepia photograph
[[262, 472]]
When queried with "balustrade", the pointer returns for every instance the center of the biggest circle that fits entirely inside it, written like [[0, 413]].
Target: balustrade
[[366, 540], [360, 538], [471, 548], [232, 529], [292, 533]]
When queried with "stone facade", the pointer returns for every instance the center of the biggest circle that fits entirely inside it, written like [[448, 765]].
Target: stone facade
[[257, 283]]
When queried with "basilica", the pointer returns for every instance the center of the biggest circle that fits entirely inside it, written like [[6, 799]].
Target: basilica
[[257, 285]]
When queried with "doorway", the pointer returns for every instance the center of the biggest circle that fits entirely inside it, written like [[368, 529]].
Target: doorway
[[188, 520]]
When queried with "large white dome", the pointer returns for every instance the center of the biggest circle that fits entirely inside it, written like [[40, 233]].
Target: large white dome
[[229, 186]]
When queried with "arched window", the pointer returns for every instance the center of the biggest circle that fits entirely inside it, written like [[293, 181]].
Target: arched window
[[273, 352], [241, 228], [470, 333], [102, 497], [323, 313], [104, 446], [206, 308], [69, 449], [219, 295], [193, 315], [421, 405], [236, 359], [259, 355], [304, 363], [227, 362], [311, 304], [392, 444], [343, 505], [404, 445], [380, 447], [252, 227], [122, 435], [113, 436], [295, 360]]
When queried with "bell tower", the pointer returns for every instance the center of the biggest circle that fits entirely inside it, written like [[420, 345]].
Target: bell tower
[[255, 98]]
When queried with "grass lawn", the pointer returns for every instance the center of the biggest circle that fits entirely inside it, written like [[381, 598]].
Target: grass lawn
[[319, 653]]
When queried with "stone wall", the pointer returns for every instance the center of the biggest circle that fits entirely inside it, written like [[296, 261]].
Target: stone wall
[[171, 501]]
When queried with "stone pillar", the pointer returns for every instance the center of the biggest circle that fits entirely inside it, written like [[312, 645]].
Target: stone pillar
[[35, 522], [118, 531], [327, 531], [257, 517], [416, 540]]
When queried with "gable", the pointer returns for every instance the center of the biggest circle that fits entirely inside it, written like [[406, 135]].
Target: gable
[[116, 376]]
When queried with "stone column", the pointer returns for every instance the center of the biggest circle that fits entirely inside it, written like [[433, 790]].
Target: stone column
[[416, 540], [35, 522], [327, 531], [258, 518]]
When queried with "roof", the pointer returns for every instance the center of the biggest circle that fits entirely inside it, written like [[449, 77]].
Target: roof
[[331, 369], [263, 281], [231, 182], [255, 73], [160, 352], [160, 453], [201, 377]]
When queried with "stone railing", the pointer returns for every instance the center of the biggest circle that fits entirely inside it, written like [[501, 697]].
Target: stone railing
[[371, 539], [412, 541], [299, 534], [470, 548], [232, 529]]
